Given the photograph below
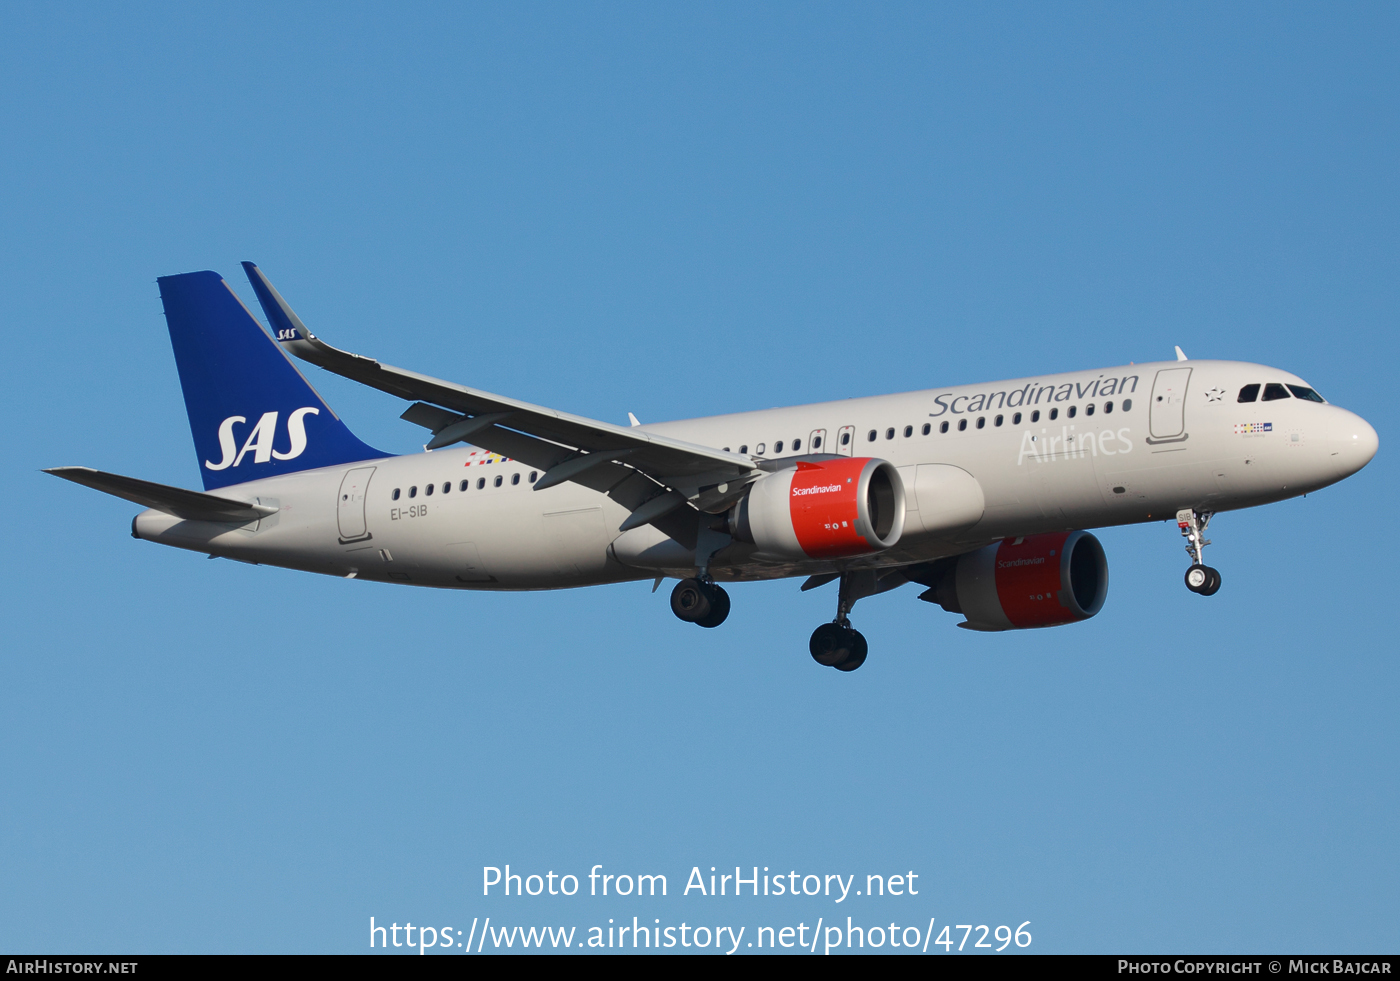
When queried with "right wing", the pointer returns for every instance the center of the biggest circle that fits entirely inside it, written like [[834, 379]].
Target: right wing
[[187, 504]]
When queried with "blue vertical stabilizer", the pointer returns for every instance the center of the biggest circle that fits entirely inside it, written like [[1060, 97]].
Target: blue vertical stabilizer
[[252, 414]]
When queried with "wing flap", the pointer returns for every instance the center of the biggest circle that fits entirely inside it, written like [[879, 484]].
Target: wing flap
[[187, 504]]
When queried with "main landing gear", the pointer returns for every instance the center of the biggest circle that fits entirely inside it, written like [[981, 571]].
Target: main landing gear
[[1200, 578], [700, 600], [837, 644]]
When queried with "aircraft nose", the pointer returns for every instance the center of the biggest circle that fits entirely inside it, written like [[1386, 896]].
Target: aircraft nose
[[1356, 443]]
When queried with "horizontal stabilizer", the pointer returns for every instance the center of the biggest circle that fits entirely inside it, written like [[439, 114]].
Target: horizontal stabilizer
[[187, 504]]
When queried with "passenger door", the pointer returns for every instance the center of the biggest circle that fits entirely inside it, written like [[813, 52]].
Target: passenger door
[[1167, 413], [350, 507]]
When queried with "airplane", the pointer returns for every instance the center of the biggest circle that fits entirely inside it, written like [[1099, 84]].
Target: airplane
[[981, 494]]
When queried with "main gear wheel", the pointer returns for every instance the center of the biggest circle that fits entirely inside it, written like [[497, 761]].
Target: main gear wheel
[[838, 645], [697, 601]]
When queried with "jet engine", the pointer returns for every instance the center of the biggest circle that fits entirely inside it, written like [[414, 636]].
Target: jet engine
[[1035, 581], [823, 510]]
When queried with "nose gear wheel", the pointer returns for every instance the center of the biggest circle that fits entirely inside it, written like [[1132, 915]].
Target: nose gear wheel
[[1202, 579]]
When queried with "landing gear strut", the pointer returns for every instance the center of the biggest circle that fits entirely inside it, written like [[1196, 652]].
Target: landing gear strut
[[1200, 578], [700, 601], [837, 644]]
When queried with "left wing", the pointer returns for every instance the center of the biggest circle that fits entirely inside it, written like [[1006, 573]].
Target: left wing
[[564, 446]]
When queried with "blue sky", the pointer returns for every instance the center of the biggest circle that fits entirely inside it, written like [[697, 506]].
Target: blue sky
[[678, 211]]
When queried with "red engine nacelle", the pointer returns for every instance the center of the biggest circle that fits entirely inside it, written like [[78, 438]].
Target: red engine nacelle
[[1036, 581], [823, 510]]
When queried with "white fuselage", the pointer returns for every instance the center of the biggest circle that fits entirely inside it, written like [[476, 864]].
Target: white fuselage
[[1126, 444]]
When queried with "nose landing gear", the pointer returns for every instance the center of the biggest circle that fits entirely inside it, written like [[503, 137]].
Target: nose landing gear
[[700, 601], [1200, 578]]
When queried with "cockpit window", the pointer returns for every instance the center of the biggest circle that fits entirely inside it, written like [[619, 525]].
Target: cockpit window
[[1249, 393], [1305, 393], [1273, 392]]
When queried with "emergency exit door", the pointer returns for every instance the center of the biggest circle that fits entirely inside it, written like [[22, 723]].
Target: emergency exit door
[[846, 441]]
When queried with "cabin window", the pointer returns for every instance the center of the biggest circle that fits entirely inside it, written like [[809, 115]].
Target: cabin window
[[998, 420], [1127, 405], [908, 431], [778, 446], [480, 483], [1108, 406], [1250, 393], [870, 436], [1054, 414], [1273, 393], [428, 491], [447, 486], [816, 442], [943, 428], [981, 422], [889, 433], [962, 425], [413, 492], [1072, 410], [744, 448], [514, 479], [464, 485], [395, 495], [1035, 416], [1089, 409], [796, 445], [845, 438], [1016, 419], [759, 448], [497, 482], [1305, 393], [926, 429], [533, 475]]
